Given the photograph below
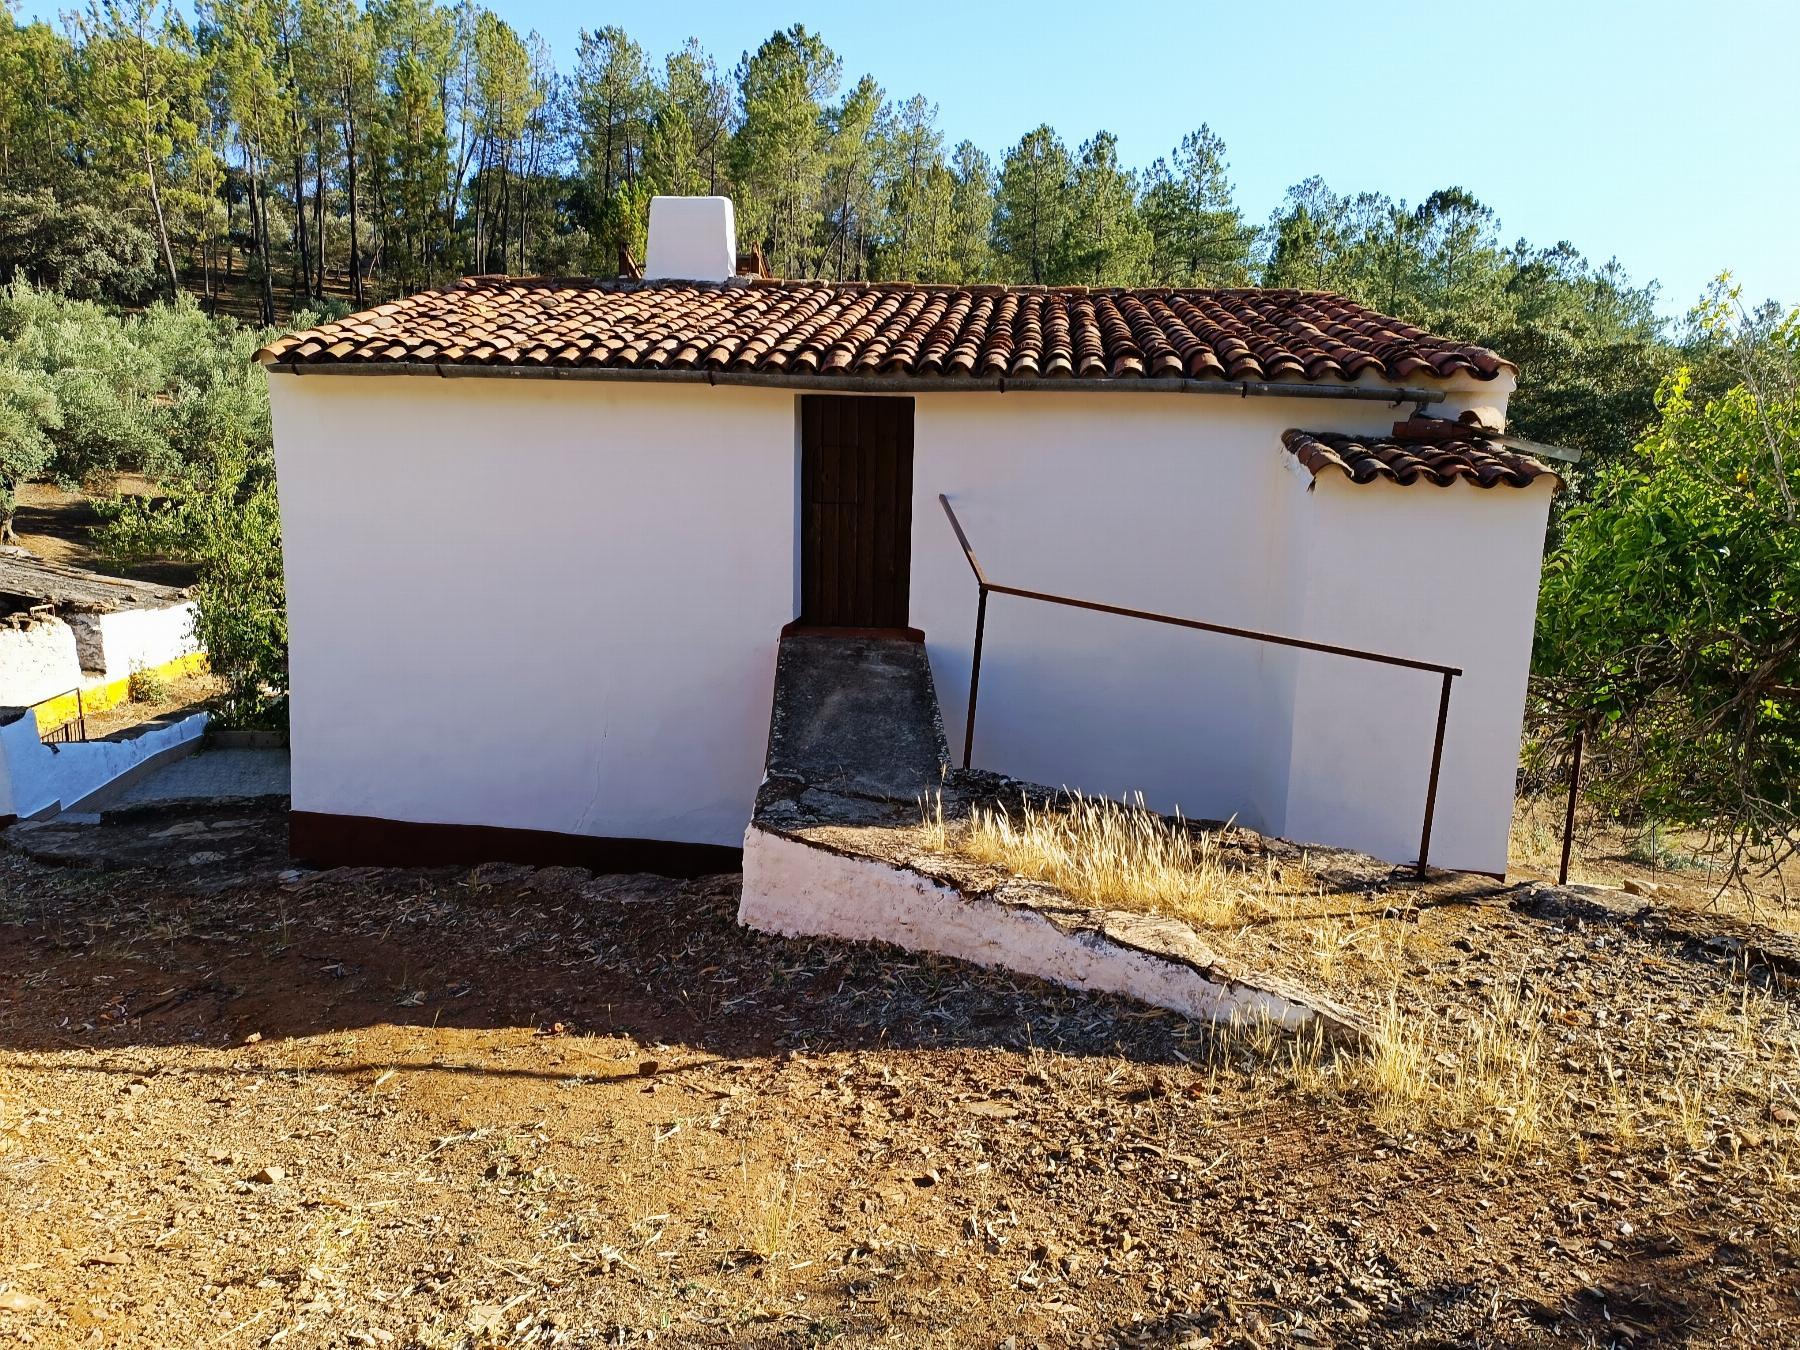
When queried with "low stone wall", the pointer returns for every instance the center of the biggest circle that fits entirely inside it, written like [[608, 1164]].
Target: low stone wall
[[96, 654], [113, 645]]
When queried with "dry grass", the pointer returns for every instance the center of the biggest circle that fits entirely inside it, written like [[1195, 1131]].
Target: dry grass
[[1691, 866], [1515, 1076], [1117, 856], [768, 1202], [1417, 1075], [1536, 840], [1727, 1095]]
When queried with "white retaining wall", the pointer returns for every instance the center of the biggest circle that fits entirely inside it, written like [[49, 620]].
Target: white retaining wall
[[36, 778], [794, 889], [82, 650]]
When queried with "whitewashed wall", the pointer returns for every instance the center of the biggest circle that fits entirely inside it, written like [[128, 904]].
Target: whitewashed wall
[[114, 645], [37, 663], [555, 605], [535, 605], [1188, 505], [38, 779], [1447, 574]]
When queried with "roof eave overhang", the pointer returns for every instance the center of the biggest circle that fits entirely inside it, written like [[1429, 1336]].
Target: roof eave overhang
[[1394, 395]]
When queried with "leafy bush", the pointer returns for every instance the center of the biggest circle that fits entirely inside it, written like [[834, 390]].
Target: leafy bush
[[146, 685], [1669, 623], [29, 415], [93, 393], [222, 514]]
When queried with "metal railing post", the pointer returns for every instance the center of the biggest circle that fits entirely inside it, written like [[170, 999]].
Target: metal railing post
[[975, 676], [1562, 869], [1437, 760]]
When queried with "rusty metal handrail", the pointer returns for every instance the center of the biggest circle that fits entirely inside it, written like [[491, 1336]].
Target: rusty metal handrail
[[60, 734], [985, 587]]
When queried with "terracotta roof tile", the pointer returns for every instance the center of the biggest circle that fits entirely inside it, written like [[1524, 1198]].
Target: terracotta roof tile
[[1421, 449], [893, 329]]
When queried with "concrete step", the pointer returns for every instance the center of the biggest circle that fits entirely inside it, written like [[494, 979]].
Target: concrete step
[[857, 716]]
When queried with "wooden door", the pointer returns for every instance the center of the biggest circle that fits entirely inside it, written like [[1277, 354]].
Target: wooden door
[[856, 510]]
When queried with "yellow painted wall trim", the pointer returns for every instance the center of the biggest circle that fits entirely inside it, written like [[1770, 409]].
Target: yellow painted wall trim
[[104, 694]]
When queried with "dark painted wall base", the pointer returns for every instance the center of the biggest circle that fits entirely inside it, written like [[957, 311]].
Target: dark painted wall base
[[367, 841]]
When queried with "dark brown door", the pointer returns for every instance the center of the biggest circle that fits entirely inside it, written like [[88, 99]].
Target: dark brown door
[[856, 510]]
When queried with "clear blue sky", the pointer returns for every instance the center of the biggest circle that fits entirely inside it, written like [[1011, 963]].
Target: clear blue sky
[[1665, 134]]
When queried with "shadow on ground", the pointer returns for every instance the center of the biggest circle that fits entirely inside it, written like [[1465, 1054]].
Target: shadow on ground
[[174, 927]]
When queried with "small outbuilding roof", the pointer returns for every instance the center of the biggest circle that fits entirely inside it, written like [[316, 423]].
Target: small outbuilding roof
[[27, 580], [779, 330], [1421, 449]]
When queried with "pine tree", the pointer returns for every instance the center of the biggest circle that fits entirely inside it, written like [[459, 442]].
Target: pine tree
[[506, 97], [917, 229], [778, 149], [141, 90], [613, 98], [972, 209], [856, 170], [1034, 207], [1199, 238], [1108, 243], [690, 126]]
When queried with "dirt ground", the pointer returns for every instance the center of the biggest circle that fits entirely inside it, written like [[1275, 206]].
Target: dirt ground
[[1685, 867], [189, 693], [60, 526], [241, 1105]]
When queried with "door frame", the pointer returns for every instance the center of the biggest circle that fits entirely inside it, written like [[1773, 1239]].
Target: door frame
[[880, 516]]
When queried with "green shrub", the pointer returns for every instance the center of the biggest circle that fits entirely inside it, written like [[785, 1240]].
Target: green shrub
[[145, 685], [1669, 621]]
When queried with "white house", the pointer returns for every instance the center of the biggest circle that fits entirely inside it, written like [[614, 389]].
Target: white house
[[543, 538]]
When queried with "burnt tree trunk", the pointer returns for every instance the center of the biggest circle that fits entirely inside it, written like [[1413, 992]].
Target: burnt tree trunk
[[302, 277], [259, 228], [356, 278]]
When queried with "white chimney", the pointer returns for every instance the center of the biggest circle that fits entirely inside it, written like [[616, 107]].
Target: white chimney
[[691, 239]]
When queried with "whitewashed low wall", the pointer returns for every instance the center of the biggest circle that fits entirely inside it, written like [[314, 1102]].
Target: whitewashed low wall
[[37, 663], [794, 889], [36, 778], [85, 650], [112, 646]]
